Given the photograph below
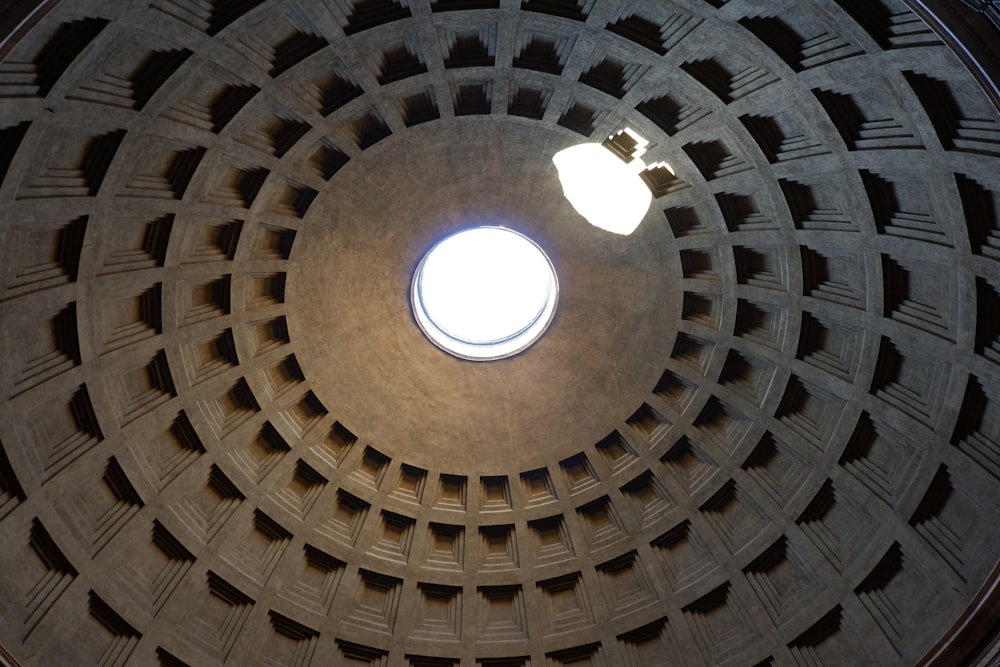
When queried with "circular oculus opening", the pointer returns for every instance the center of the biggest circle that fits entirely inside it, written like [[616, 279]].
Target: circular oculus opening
[[484, 293]]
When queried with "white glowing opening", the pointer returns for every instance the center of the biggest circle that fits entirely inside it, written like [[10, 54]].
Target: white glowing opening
[[484, 293], [604, 189]]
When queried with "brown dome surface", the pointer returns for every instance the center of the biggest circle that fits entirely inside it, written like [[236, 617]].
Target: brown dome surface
[[763, 429], [617, 305]]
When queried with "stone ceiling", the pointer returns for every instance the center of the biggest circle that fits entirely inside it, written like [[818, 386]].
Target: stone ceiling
[[762, 430]]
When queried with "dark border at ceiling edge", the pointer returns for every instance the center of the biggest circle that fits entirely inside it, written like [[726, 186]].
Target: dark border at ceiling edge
[[970, 35]]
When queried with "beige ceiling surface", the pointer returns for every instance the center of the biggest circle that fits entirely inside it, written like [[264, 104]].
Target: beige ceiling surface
[[761, 430], [617, 305]]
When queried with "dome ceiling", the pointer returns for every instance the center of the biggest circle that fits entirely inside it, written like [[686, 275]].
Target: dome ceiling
[[762, 430]]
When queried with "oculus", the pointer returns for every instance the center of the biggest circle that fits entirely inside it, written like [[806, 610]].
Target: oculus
[[484, 293]]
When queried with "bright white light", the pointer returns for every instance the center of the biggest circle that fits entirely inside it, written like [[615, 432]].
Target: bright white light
[[602, 188], [484, 285], [640, 144], [484, 293], [662, 164]]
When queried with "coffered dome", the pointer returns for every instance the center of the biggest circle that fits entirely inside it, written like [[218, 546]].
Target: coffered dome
[[763, 429]]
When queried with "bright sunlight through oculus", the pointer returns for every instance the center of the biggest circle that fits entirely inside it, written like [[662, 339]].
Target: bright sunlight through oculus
[[607, 191], [484, 293]]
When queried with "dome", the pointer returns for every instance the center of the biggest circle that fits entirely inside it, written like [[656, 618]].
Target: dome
[[761, 429]]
